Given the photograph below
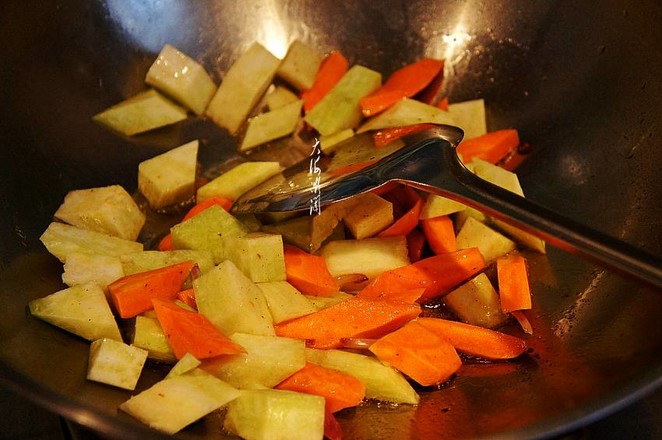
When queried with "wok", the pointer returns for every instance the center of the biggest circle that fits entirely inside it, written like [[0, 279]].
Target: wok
[[580, 80]]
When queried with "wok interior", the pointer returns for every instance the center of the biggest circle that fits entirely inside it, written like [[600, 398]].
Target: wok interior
[[581, 85]]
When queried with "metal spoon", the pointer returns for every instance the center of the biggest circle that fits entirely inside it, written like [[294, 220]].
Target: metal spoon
[[428, 161]]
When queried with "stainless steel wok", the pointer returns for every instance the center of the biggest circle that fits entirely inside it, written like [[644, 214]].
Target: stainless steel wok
[[580, 80]]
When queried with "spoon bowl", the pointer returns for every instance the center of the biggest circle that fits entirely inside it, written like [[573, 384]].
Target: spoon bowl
[[428, 161]]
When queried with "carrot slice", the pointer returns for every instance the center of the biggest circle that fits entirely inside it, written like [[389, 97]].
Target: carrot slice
[[415, 245], [405, 224], [332, 428], [490, 147], [188, 297], [440, 234], [308, 273], [443, 104], [166, 242], [436, 274], [340, 390], [403, 83], [475, 340], [419, 353], [513, 283], [332, 68], [351, 318], [133, 294], [191, 332]]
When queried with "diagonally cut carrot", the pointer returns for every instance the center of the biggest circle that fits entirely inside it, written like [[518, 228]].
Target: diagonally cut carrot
[[513, 281], [340, 390], [440, 234], [475, 340], [419, 353], [308, 273], [133, 294], [436, 274], [490, 147], [191, 332], [332, 68], [406, 223], [384, 136], [188, 297], [353, 317], [415, 245], [403, 83]]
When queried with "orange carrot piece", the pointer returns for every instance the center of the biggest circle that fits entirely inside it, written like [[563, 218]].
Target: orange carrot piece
[[443, 104], [351, 318], [475, 340], [404, 295], [308, 273], [340, 390], [191, 332], [515, 157], [405, 224], [491, 147], [419, 353], [523, 321], [188, 297], [436, 274], [403, 83], [513, 281], [166, 242], [386, 135], [332, 68], [440, 234], [415, 245], [332, 428], [433, 91], [133, 294]]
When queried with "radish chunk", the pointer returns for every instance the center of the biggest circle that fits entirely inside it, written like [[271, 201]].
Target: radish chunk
[[115, 363], [174, 403], [82, 310], [180, 77], [276, 415], [169, 178]]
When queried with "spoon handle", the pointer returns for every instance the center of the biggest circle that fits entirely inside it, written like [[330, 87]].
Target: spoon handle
[[453, 180]]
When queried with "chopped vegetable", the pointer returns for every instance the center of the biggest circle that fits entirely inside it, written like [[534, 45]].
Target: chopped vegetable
[[475, 340], [238, 180], [82, 310], [513, 283], [491, 243], [300, 65], [407, 112], [340, 390], [355, 317], [435, 274], [133, 294], [242, 87], [418, 353], [490, 147], [339, 108], [369, 216], [143, 112], [180, 77], [276, 414], [309, 273], [331, 70], [403, 83], [440, 234], [476, 302], [191, 332], [110, 210], [63, 240], [271, 125], [169, 178], [114, 363], [370, 256]]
